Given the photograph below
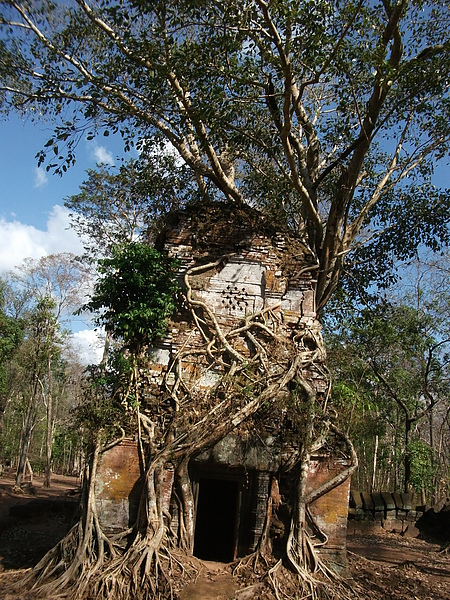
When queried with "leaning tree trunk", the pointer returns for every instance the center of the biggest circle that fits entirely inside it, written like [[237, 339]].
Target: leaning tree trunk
[[264, 373]]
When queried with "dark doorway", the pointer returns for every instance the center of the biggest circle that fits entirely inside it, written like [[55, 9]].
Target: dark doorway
[[216, 519]]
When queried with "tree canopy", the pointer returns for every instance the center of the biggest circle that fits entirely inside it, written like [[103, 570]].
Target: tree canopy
[[11, 335], [331, 114], [126, 205]]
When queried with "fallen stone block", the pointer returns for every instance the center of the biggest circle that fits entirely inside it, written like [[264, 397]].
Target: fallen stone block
[[388, 500], [398, 501], [359, 514], [370, 527], [378, 502], [353, 527], [367, 501], [407, 501], [411, 531], [402, 514]]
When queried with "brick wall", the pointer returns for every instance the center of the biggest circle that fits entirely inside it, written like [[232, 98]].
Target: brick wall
[[331, 510], [257, 268], [117, 487]]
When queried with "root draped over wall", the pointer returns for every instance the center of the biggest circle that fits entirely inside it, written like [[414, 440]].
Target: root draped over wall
[[269, 375]]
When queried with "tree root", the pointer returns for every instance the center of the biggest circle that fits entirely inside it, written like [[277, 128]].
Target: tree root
[[276, 578], [147, 569]]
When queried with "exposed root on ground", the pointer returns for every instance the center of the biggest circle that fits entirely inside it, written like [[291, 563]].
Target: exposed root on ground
[[287, 585]]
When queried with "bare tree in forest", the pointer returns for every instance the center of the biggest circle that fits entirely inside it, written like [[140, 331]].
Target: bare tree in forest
[[55, 285], [113, 207], [328, 115]]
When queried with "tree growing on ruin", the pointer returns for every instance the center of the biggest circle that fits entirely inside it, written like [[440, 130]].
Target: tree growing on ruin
[[328, 115]]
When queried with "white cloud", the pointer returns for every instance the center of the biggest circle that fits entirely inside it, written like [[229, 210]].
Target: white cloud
[[167, 149], [40, 177], [102, 155], [19, 241], [89, 346]]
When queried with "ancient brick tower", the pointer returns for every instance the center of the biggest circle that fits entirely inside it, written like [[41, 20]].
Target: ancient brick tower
[[237, 266]]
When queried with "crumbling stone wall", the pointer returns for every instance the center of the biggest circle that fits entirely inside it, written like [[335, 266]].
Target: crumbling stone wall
[[118, 486], [378, 511], [252, 267]]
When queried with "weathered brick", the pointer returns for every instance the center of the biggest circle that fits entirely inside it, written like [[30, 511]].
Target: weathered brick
[[398, 501], [392, 525], [368, 527], [407, 501], [388, 500], [367, 501], [378, 502], [253, 276], [411, 531], [331, 509]]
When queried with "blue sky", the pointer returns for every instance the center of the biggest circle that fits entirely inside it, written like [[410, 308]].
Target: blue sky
[[33, 220], [27, 193]]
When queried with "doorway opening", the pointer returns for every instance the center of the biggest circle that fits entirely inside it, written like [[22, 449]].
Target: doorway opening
[[217, 519]]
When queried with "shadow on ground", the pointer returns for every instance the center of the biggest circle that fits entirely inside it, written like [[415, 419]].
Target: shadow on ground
[[31, 525]]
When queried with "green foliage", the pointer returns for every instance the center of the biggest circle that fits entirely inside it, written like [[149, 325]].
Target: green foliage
[[135, 294], [329, 114], [106, 410], [390, 379], [11, 335], [101, 411], [422, 468], [127, 204], [35, 369], [67, 450]]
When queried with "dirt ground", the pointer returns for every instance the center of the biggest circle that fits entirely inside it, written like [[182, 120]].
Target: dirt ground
[[387, 566], [392, 567], [32, 523]]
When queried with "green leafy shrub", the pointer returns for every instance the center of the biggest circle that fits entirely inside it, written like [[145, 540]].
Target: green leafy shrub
[[135, 294]]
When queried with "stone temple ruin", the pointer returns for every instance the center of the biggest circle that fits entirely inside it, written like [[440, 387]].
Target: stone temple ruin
[[237, 266]]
